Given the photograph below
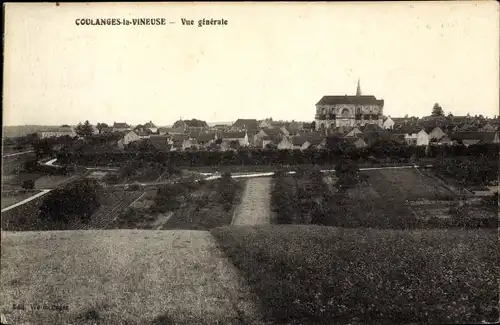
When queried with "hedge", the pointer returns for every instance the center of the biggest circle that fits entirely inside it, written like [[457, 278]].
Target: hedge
[[278, 157]]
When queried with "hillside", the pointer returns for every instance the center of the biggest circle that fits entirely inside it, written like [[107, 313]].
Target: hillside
[[283, 274]]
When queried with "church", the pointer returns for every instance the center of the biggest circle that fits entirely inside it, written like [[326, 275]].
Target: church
[[335, 111]]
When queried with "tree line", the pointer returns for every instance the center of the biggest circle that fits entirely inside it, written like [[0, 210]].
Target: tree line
[[376, 154]]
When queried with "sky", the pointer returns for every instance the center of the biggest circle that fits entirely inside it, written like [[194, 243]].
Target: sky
[[271, 60]]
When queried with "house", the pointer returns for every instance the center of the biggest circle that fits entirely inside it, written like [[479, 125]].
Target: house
[[397, 138], [470, 138], [151, 127], [267, 140], [102, 141], [416, 137], [356, 142], [241, 137], [435, 133], [445, 140], [307, 141], [284, 131], [371, 128], [264, 141], [120, 127], [176, 139], [293, 129], [205, 139], [354, 132], [170, 131], [272, 134], [127, 138], [388, 123], [372, 137], [265, 123], [55, 132], [143, 134], [160, 142], [189, 144], [245, 125], [459, 119], [487, 128], [287, 144]]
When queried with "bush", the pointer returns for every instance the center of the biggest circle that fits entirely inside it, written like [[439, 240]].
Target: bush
[[226, 190], [166, 198], [134, 187], [28, 184]]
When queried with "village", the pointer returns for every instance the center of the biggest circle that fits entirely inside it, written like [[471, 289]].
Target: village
[[268, 134]]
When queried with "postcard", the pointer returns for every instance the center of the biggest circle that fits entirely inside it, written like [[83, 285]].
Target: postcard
[[250, 163]]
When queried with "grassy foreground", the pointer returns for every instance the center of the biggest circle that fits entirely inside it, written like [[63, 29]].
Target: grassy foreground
[[119, 277], [325, 275]]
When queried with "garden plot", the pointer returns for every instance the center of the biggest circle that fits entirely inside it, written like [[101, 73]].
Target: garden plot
[[406, 184]]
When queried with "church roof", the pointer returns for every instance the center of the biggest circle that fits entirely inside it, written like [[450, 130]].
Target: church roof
[[353, 100]]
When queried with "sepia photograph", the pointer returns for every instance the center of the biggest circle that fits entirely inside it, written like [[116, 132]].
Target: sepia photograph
[[250, 163]]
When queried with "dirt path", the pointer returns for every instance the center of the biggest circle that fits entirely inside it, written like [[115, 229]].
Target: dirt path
[[254, 208], [122, 277]]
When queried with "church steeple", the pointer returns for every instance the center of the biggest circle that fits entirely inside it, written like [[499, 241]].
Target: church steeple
[[358, 90]]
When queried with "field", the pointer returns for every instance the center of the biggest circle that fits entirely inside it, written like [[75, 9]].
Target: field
[[23, 217], [193, 206], [113, 203], [324, 275], [390, 199], [14, 164], [401, 185], [12, 197], [405, 198]]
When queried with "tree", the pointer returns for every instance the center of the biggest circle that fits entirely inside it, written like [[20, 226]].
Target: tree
[[437, 110], [43, 147], [101, 126], [84, 129], [335, 143], [31, 165], [234, 144], [347, 172]]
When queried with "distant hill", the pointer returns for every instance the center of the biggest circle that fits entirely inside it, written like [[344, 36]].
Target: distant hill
[[12, 131], [20, 130], [219, 123], [209, 124]]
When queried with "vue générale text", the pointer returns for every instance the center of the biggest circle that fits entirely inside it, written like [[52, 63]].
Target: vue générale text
[[205, 22]]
